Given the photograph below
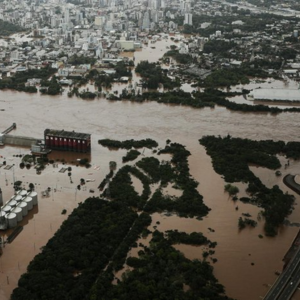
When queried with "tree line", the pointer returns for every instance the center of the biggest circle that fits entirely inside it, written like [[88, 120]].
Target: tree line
[[231, 158]]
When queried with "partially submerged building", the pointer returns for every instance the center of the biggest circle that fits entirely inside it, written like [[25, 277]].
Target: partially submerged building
[[67, 140], [16, 208]]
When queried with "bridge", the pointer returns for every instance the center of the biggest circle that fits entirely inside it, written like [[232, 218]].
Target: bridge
[[287, 283]]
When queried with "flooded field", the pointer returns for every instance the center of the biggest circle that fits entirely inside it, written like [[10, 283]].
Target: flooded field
[[246, 263]]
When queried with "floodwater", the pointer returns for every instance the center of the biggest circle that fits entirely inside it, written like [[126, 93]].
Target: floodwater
[[236, 250]]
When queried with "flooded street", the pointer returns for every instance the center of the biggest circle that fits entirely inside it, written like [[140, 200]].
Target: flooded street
[[236, 250]]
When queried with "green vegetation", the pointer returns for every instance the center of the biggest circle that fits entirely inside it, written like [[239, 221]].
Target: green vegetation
[[103, 80], [190, 203], [7, 28], [17, 82], [94, 242], [257, 23], [218, 97], [246, 222], [195, 238], [225, 77], [81, 60], [87, 95], [231, 158], [218, 47], [131, 155], [53, 87], [105, 180], [231, 189], [77, 253], [119, 257], [121, 187], [180, 58], [84, 94], [128, 144], [160, 272], [156, 171], [208, 98], [178, 97], [153, 75]]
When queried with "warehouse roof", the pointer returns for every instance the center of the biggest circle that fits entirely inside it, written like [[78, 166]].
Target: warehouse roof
[[67, 134]]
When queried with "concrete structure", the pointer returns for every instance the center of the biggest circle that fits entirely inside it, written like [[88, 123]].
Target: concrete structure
[[24, 207], [275, 94], [1, 198], [18, 198], [125, 45], [18, 212], [11, 220], [22, 193], [29, 202], [16, 208], [67, 140], [19, 140], [188, 19], [33, 195]]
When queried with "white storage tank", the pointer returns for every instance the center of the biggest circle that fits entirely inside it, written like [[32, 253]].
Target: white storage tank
[[23, 193], [2, 216], [6, 208], [34, 197], [18, 198], [24, 207], [29, 202], [18, 211], [13, 203], [11, 220]]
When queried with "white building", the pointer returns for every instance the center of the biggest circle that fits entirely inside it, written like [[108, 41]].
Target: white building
[[14, 55], [188, 19]]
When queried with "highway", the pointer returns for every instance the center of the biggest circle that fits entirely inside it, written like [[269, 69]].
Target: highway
[[292, 285], [287, 282]]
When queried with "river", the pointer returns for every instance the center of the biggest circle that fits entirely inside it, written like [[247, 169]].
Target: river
[[246, 263]]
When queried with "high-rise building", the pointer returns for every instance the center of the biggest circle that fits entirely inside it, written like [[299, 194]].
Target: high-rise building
[[67, 15], [188, 19], [146, 21]]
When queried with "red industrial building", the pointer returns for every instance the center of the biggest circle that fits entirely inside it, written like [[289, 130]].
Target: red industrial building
[[67, 140]]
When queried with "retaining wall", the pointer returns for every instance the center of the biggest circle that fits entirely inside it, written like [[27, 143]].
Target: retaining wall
[[24, 141]]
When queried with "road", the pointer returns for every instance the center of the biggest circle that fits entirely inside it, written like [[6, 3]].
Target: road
[[287, 282], [292, 285], [289, 180]]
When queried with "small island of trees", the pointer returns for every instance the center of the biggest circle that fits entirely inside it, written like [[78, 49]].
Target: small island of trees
[[231, 158]]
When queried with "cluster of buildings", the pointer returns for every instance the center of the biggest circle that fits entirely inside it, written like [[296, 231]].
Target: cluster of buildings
[[100, 29], [58, 29], [13, 211]]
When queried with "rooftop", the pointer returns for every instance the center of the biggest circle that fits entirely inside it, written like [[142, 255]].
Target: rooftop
[[67, 134]]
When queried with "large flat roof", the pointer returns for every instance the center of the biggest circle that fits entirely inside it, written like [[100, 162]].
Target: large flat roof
[[276, 94], [67, 134]]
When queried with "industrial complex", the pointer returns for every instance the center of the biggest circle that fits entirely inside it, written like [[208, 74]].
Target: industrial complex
[[67, 140], [54, 139], [16, 208]]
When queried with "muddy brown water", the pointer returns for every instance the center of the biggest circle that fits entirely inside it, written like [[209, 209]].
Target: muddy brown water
[[235, 252]]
